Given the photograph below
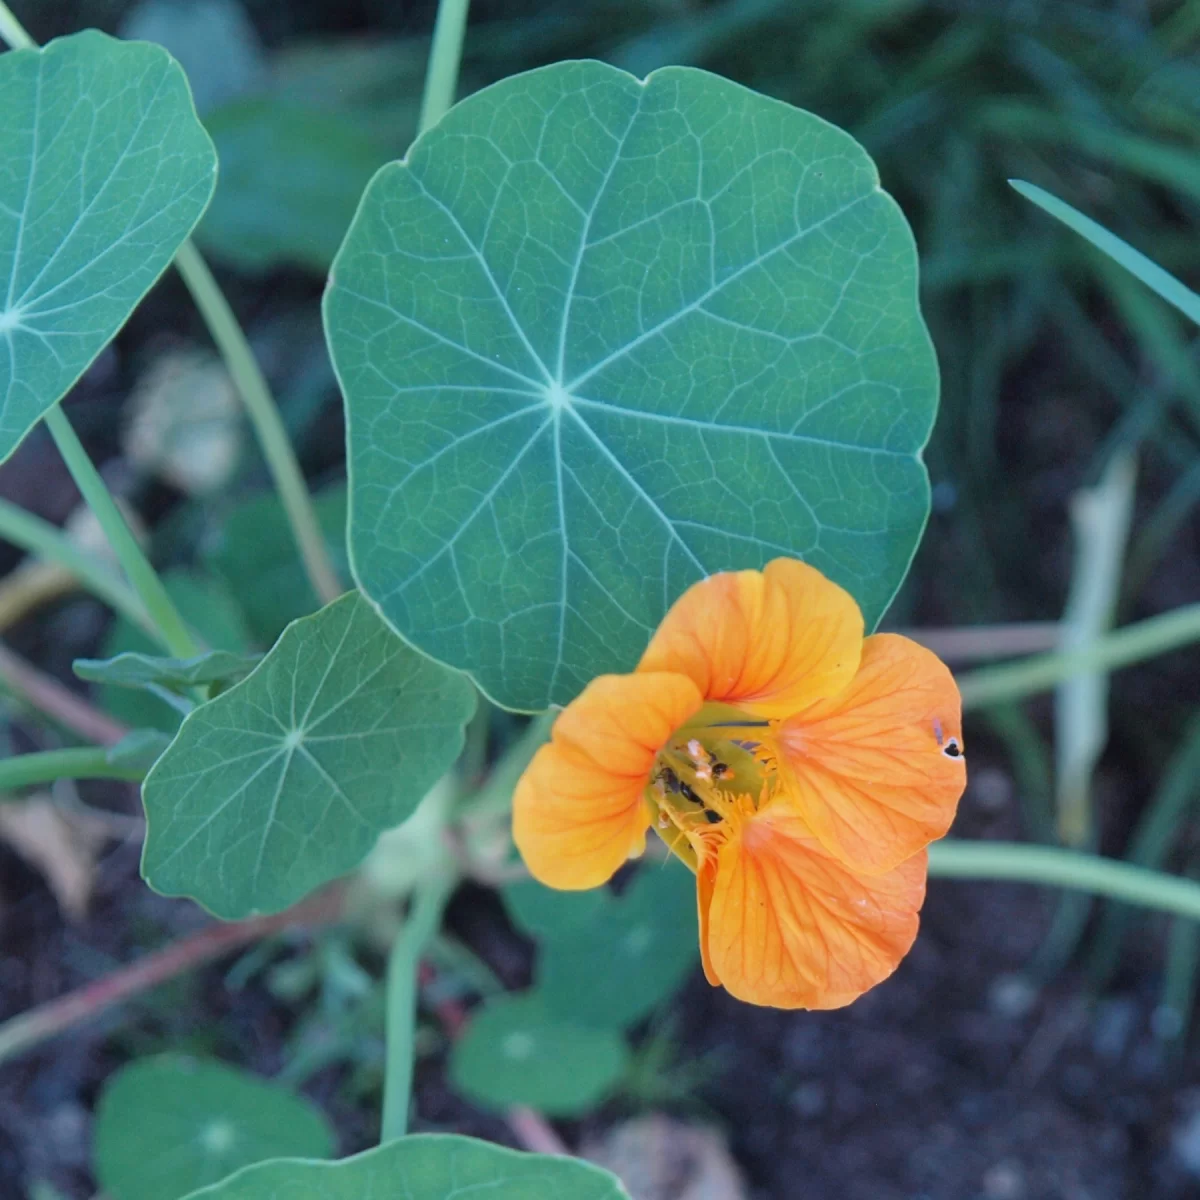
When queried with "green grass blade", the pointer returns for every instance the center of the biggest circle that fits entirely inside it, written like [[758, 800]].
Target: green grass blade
[[1121, 252]]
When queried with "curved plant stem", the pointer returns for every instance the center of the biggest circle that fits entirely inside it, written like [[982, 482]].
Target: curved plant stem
[[13, 32], [445, 56], [419, 927], [429, 900], [42, 539], [1051, 867], [1145, 639], [264, 416], [145, 580], [84, 762]]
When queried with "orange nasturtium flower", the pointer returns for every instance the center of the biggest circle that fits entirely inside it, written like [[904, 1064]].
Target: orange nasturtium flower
[[798, 769]]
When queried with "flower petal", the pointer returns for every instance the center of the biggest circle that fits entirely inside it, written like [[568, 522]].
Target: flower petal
[[579, 811], [770, 642], [877, 771], [791, 927], [706, 882]]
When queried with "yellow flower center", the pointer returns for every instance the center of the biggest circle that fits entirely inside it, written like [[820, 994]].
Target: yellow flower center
[[707, 777]]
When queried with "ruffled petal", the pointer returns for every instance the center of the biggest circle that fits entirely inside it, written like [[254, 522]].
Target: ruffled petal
[[790, 927], [579, 810], [877, 771], [770, 642]]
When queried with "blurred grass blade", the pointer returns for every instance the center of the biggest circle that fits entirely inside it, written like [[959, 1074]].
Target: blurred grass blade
[[1029, 761], [1100, 520], [1174, 1011], [1152, 840], [1163, 346], [1122, 648], [1160, 529], [1121, 252], [1052, 866]]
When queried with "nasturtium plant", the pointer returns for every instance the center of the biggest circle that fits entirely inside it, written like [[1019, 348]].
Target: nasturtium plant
[[291, 177], [630, 957], [213, 614], [424, 1167], [286, 780], [649, 930], [547, 915], [516, 1050], [256, 557], [169, 674], [104, 171], [168, 1125], [600, 337]]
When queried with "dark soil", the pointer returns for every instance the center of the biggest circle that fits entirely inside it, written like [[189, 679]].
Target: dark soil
[[956, 1079]]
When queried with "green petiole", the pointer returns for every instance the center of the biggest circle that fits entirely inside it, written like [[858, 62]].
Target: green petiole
[[264, 416], [445, 57], [84, 762], [13, 32], [158, 604], [43, 540], [404, 964]]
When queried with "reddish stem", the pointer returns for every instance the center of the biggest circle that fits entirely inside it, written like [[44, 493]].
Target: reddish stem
[[31, 1028], [47, 695]]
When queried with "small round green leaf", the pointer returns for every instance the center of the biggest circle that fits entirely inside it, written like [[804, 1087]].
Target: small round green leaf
[[286, 780], [630, 957], [600, 337], [167, 1126], [548, 915], [517, 1052], [104, 171], [424, 1166]]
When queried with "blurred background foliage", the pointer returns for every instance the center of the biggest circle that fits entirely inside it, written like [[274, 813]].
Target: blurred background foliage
[[1065, 385]]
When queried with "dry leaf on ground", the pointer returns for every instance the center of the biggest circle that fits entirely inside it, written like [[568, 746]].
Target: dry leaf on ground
[[62, 846], [659, 1158]]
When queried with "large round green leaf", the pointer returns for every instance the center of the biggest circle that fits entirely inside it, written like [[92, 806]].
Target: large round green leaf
[[424, 1166], [286, 780], [104, 170], [167, 1126], [600, 337]]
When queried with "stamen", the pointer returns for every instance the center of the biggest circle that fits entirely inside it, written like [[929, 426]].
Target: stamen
[[707, 776]]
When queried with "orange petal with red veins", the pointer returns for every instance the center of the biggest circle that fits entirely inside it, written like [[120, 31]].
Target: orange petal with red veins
[[877, 771], [789, 926], [579, 811], [770, 642]]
